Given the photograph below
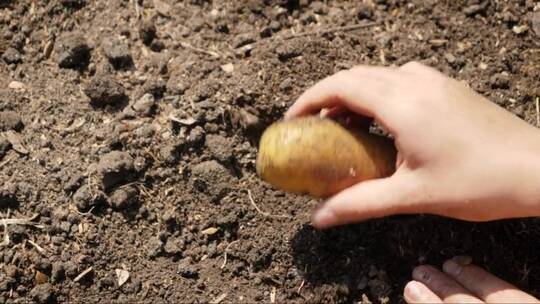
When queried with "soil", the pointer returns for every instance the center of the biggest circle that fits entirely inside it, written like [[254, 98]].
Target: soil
[[130, 129]]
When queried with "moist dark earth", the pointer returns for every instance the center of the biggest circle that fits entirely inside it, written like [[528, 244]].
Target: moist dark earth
[[129, 134]]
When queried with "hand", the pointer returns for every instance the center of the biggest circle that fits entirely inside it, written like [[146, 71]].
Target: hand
[[461, 282], [459, 155]]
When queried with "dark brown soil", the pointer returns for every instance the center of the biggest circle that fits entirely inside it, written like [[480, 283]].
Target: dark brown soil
[[130, 128]]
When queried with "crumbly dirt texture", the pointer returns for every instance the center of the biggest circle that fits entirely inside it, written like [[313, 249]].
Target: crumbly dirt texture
[[129, 134]]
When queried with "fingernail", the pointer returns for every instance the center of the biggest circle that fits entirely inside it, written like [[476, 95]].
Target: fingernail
[[452, 268], [323, 218], [463, 260], [413, 292], [421, 274]]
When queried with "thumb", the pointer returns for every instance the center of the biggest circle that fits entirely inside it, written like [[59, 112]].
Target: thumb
[[368, 199]]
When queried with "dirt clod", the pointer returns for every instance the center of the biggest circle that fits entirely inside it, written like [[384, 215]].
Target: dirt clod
[[212, 179], [114, 168], [147, 32], [187, 269], [12, 55], [220, 147], [117, 51], [123, 197], [42, 293], [87, 197], [154, 247], [104, 90], [10, 120], [72, 51]]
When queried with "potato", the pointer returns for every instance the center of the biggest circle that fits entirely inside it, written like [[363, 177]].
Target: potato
[[319, 157]]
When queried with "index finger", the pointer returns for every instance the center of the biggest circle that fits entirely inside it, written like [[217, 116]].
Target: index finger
[[365, 90]]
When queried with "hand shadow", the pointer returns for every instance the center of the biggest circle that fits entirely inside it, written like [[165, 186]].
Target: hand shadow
[[376, 257]]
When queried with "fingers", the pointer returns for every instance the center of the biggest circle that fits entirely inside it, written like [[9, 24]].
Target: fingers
[[364, 90], [369, 199], [485, 285], [443, 285], [416, 292]]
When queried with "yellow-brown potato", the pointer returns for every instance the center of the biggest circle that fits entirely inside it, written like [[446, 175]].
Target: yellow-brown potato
[[319, 157]]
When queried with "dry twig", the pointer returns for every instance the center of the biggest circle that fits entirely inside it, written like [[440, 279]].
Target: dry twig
[[266, 214], [199, 50], [22, 221], [82, 274], [38, 248], [225, 254]]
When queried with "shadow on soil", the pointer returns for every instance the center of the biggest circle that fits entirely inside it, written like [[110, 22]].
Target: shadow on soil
[[384, 252]]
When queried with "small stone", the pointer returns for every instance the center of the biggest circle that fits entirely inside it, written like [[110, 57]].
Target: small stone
[[16, 85], [114, 168], [147, 32], [124, 197], [248, 120], [42, 293], [104, 90], [520, 29], [154, 247], [450, 58], [186, 269], [117, 52], [12, 56], [73, 51], [227, 68], [10, 120]]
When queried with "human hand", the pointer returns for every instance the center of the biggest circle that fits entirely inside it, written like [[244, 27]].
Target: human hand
[[461, 282], [459, 155]]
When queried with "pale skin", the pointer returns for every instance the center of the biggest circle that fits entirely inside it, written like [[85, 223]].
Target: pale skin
[[459, 155]]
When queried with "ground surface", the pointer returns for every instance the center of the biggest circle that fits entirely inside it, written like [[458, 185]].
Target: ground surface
[[129, 130]]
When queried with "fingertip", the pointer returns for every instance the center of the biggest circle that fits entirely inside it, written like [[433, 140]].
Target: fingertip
[[323, 218]]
